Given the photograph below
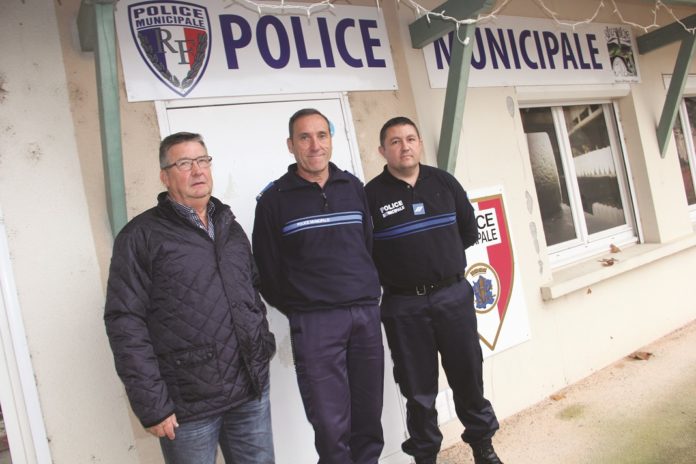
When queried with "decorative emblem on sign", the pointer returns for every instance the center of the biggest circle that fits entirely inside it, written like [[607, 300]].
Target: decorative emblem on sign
[[486, 284], [173, 38]]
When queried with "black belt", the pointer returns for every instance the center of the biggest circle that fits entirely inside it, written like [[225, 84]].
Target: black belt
[[425, 288]]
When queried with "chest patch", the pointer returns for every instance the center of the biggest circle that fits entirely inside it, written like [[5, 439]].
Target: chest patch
[[391, 208], [418, 209]]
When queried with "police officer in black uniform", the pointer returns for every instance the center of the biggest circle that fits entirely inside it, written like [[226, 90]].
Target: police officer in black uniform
[[423, 222]]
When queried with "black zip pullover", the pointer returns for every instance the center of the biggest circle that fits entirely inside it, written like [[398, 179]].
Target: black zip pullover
[[313, 244]]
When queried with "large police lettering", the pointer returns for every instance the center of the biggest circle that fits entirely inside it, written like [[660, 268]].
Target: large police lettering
[[526, 49], [237, 34]]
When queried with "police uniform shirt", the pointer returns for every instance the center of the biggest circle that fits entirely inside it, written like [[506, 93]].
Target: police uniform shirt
[[420, 232]]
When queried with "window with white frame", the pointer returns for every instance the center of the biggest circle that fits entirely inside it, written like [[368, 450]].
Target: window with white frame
[[684, 135], [580, 179]]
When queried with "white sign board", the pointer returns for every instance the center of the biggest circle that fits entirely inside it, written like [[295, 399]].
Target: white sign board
[[176, 49], [512, 51], [501, 312]]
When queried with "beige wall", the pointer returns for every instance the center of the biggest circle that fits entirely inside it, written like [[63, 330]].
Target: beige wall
[[56, 234], [52, 195], [140, 135], [659, 188], [140, 139]]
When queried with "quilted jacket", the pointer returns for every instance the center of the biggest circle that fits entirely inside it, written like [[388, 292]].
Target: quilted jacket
[[186, 325]]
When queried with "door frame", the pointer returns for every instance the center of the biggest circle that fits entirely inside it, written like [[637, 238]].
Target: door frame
[[161, 107], [19, 396]]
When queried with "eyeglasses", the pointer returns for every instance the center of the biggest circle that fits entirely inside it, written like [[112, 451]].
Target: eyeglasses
[[186, 164]]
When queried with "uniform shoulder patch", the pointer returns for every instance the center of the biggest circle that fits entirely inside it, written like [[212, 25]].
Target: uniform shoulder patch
[[270, 184]]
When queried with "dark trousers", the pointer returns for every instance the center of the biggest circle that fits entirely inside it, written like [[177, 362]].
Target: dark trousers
[[339, 359], [417, 328]]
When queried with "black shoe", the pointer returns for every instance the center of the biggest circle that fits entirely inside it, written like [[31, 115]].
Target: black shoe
[[429, 460], [484, 453]]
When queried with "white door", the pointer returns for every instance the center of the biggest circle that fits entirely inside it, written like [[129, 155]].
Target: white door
[[247, 143]]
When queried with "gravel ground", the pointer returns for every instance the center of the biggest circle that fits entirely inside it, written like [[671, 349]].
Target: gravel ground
[[635, 411]]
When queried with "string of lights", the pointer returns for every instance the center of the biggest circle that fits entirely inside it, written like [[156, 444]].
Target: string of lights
[[285, 6]]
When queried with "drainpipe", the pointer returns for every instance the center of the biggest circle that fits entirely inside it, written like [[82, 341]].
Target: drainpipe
[[95, 22]]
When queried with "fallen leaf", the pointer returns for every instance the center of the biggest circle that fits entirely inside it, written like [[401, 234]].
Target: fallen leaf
[[640, 355], [557, 396], [614, 249], [608, 261]]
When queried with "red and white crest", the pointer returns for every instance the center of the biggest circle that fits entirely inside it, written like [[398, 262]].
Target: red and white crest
[[491, 268]]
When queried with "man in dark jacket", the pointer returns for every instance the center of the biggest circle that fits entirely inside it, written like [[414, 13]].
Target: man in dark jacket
[[185, 321], [423, 223], [312, 239]]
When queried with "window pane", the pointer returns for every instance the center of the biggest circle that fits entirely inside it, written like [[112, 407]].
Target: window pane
[[594, 167], [549, 176], [684, 162]]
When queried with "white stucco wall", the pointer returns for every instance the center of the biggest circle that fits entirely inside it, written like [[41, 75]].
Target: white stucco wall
[[52, 244]]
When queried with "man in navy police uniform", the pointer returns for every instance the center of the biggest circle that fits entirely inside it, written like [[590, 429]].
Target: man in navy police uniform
[[312, 240], [423, 223]]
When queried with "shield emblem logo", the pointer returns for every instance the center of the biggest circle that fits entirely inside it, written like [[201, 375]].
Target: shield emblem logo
[[173, 39], [490, 268]]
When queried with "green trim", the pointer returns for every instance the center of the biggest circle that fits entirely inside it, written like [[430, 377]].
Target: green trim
[[97, 33], [665, 35], [661, 37], [455, 97], [675, 92], [678, 2], [428, 29]]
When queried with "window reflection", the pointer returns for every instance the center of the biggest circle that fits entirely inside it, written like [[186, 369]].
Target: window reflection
[[576, 177], [594, 167], [549, 175]]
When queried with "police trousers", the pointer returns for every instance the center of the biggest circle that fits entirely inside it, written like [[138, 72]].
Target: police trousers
[[418, 327], [339, 360]]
